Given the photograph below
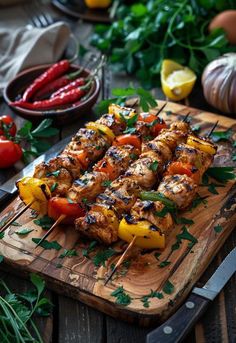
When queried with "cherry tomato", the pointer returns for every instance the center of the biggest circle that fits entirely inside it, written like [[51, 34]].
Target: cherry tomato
[[58, 206], [183, 168], [158, 123], [128, 139], [7, 125], [10, 153]]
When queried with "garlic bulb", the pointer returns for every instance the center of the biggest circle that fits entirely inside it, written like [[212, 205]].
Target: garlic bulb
[[219, 83]]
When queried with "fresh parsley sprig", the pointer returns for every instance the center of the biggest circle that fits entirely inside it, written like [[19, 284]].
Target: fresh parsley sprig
[[121, 95]]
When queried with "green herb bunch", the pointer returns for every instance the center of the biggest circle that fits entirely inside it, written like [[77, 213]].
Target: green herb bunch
[[16, 311], [146, 32]]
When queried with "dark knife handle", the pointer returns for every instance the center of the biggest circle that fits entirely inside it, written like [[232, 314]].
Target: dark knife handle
[[179, 325], [4, 197]]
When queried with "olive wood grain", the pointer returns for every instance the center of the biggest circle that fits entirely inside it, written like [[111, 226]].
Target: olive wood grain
[[80, 279]]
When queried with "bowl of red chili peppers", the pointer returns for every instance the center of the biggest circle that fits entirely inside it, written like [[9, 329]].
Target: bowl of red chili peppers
[[61, 91]]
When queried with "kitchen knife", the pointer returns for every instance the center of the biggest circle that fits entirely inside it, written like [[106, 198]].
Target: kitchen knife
[[178, 325], [8, 189]]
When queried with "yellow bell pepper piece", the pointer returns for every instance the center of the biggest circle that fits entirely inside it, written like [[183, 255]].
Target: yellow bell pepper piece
[[202, 145], [102, 128], [125, 111], [147, 236], [97, 3], [35, 191]]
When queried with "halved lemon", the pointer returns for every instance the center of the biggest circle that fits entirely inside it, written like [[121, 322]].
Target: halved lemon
[[177, 81]]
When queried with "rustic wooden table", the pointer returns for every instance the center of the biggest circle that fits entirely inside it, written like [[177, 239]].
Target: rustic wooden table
[[72, 321]]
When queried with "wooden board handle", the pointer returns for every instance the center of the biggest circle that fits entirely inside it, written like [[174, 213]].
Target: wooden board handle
[[178, 326]]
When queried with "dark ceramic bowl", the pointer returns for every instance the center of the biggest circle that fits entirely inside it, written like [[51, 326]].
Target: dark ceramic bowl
[[61, 116]]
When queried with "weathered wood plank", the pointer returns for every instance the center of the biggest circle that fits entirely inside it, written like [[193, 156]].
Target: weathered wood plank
[[79, 323], [124, 333]]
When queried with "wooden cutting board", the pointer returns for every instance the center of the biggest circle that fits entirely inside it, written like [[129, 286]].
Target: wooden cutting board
[[78, 277]]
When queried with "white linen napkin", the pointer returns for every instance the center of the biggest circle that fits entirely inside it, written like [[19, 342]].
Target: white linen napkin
[[23, 48]]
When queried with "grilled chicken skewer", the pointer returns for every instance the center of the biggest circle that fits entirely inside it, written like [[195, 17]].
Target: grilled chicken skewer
[[177, 191], [102, 221], [125, 149], [55, 177]]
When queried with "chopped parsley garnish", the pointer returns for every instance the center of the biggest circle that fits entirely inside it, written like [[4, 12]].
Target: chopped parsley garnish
[[162, 213], [218, 228], [90, 248], [15, 224], [102, 256], [221, 174], [68, 253], [45, 222], [55, 173], [98, 147], [157, 255], [23, 232], [164, 264], [133, 156], [122, 298], [168, 113], [70, 201], [197, 201], [58, 265], [153, 294], [2, 235], [130, 130], [184, 235], [196, 128], [85, 201], [147, 138], [153, 166], [47, 245], [106, 183], [217, 136], [168, 287], [54, 187]]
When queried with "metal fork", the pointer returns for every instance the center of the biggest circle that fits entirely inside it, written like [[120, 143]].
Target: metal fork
[[37, 16]]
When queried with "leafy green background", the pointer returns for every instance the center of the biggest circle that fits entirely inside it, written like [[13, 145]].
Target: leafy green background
[[148, 31]]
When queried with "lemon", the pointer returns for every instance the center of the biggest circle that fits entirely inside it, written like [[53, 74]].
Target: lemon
[[177, 81]]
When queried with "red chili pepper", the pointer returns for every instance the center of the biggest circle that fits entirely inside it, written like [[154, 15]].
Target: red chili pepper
[[57, 84], [50, 74], [75, 84], [63, 99]]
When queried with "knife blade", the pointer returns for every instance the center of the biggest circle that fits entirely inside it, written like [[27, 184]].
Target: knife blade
[[8, 189], [177, 326]]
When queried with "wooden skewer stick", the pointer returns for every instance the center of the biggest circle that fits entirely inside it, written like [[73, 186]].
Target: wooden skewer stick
[[121, 259], [17, 215], [212, 130], [57, 222]]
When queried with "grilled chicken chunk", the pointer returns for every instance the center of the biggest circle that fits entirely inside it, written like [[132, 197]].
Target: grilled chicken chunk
[[121, 194], [119, 158], [171, 138], [179, 188], [62, 179], [160, 148], [110, 121], [100, 223], [149, 210], [86, 140], [88, 186], [143, 171], [188, 154]]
